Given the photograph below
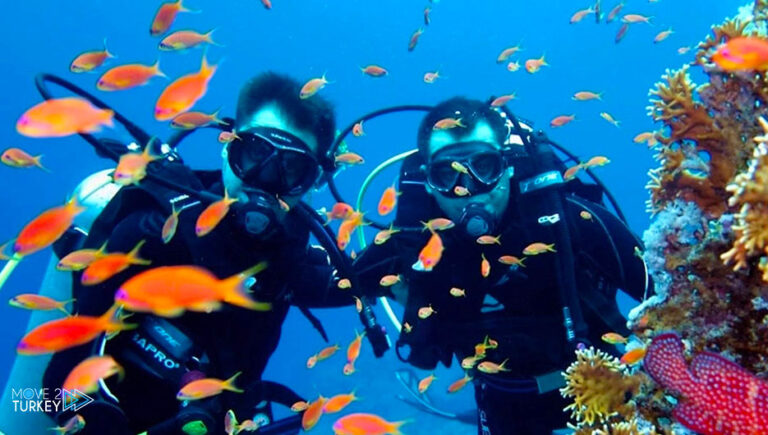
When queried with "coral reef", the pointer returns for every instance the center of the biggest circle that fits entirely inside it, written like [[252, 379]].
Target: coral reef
[[707, 248], [599, 385]]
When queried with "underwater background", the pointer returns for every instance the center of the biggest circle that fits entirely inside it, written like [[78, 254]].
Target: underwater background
[[307, 39]]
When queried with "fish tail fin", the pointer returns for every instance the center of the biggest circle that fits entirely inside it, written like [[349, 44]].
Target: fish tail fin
[[106, 50], [458, 122], [502, 367], [229, 384], [108, 115], [210, 40], [325, 79], [156, 69], [61, 430], [551, 247], [215, 117], [394, 427], [207, 69], [183, 8], [232, 289], [133, 255], [112, 322], [36, 160]]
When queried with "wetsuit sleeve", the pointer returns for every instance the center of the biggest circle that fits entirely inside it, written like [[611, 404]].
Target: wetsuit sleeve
[[314, 283], [375, 262]]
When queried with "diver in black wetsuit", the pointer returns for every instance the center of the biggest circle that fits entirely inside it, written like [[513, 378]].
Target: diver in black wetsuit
[[539, 311], [280, 156]]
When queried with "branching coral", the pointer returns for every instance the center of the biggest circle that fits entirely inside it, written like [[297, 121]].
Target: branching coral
[[599, 385], [750, 194]]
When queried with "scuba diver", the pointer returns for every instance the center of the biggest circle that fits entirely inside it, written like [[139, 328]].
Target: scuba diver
[[528, 269], [281, 154]]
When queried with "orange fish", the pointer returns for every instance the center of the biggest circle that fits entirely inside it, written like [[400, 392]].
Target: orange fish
[[513, 66], [60, 334], [349, 159], [190, 120], [488, 240], [614, 12], [438, 224], [183, 93], [607, 116], [17, 158], [491, 368], [461, 191], [427, 20], [109, 265], [132, 167], [485, 267], [170, 225], [90, 60], [430, 254], [502, 100], [448, 123], [184, 39], [313, 413], [358, 304], [344, 284], [389, 280], [340, 210], [267, 4], [426, 382], [327, 352], [579, 15], [585, 215], [248, 426], [344, 235], [213, 214], [128, 76], [511, 260], [647, 136], [597, 161], [357, 129], [349, 368], [633, 356], [311, 361], [506, 53], [538, 248], [339, 402], [586, 96], [458, 385], [165, 16], [407, 327], [742, 54], [374, 71], [86, 375], [226, 137], [208, 387], [384, 235], [457, 292], [60, 117], [571, 172], [72, 426], [311, 87], [299, 406], [614, 338], [46, 228], [33, 301], [469, 362], [664, 34], [430, 77], [369, 424], [621, 33], [170, 290], [534, 65], [80, 259], [561, 120], [414, 39], [230, 422], [353, 350], [635, 18], [425, 312], [388, 201]]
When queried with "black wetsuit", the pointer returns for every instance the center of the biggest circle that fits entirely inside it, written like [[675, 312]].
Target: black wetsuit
[[519, 307], [230, 340]]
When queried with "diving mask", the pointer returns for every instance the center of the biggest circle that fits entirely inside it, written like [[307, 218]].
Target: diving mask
[[477, 166]]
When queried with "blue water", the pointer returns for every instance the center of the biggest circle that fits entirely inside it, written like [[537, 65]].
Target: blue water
[[309, 38]]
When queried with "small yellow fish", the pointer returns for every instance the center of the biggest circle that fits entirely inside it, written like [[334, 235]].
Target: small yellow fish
[[469, 362], [459, 384], [491, 368], [488, 240], [438, 224], [597, 161], [457, 292], [664, 34], [538, 248], [344, 284], [426, 382], [384, 235], [448, 123], [425, 312], [586, 96], [485, 266], [407, 327], [311, 361], [513, 66], [585, 215], [299, 406], [614, 338], [389, 280], [511, 260], [458, 167], [461, 191], [608, 117], [358, 304]]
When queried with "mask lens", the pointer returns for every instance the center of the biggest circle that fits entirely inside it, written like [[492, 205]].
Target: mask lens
[[442, 176], [487, 166]]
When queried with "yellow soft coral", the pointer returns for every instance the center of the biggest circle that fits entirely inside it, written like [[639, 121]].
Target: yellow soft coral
[[750, 193], [598, 384]]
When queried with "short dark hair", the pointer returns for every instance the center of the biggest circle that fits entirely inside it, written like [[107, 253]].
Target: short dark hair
[[314, 114], [471, 113]]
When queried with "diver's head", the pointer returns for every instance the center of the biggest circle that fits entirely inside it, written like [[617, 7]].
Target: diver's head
[[282, 146], [465, 167]]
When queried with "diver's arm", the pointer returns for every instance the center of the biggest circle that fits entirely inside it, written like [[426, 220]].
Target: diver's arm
[[315, 284]]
